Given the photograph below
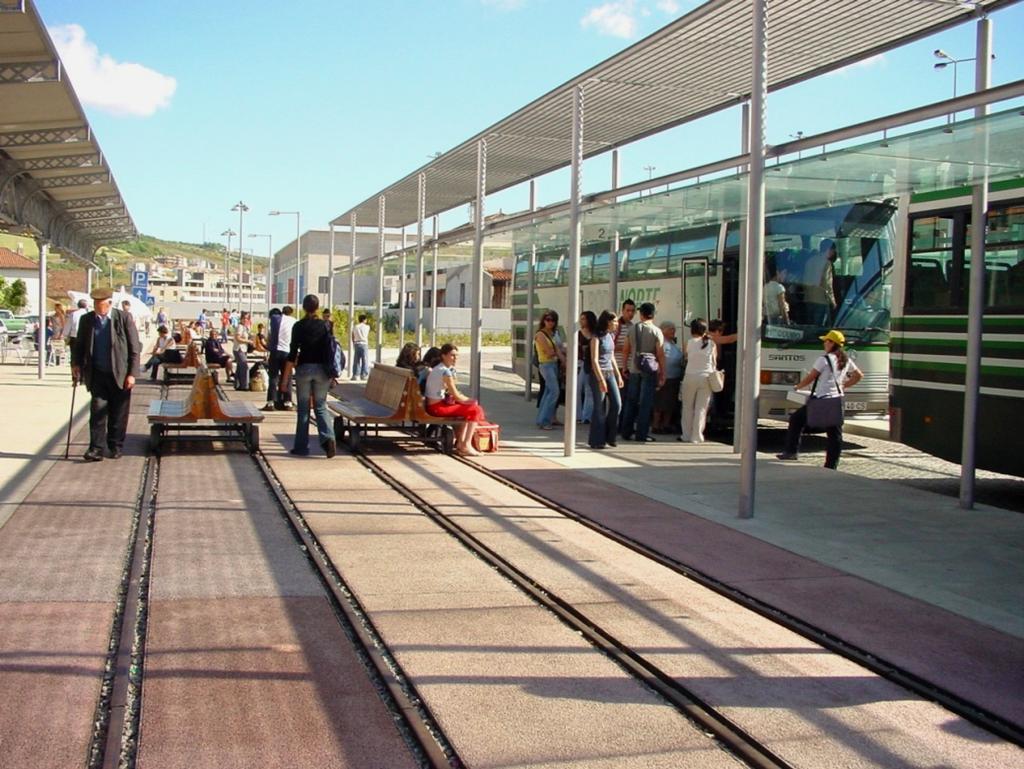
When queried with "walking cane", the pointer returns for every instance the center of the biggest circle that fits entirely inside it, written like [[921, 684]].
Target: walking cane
[[74, 387]]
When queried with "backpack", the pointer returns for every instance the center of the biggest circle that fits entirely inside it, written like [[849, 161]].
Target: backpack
[[335, 362]]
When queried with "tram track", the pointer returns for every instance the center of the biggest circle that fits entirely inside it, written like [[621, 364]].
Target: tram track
[[898, 675], [688, 703], [115, 740]]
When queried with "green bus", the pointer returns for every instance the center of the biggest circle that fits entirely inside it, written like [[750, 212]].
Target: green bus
[[929, 327]]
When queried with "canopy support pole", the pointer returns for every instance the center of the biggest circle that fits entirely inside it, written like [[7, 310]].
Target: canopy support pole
[[976, 296], [573, 340], [330, 274], [433, 289], [478, 266], [613, 257], [741, 309], [352, 295], [402, 286], [420, 213], [44, 252], [381, 203], [530, 317], [754, 264]]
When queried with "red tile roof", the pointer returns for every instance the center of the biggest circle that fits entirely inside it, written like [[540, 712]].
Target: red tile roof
[[14, 261], [500, 274]]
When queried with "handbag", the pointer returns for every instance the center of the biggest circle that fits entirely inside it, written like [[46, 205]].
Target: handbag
[[716, 379], [823, 413], [646, 362]]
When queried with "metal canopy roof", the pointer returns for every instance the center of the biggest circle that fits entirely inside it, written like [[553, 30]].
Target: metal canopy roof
[[53, 175], [935, 158], [699, 64]]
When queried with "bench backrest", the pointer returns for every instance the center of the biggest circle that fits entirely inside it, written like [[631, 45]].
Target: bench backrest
[[389, 386], [197, 404]]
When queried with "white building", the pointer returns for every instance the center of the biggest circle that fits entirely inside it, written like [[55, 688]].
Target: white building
[[14, 266]]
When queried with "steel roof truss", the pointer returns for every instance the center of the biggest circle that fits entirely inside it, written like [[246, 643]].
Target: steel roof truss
[[21, 72]]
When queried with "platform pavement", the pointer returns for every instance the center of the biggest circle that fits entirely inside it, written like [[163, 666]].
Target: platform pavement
[[916, 542], [35, 422]]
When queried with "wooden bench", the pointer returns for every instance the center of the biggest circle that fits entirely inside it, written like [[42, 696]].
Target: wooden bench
[[391, 399], [232, 420]]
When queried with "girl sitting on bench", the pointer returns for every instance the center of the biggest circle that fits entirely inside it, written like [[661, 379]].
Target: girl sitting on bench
[[445, 400]]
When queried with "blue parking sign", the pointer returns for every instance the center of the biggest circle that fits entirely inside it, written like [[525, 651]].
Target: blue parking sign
[[140, 279], [140, 293]]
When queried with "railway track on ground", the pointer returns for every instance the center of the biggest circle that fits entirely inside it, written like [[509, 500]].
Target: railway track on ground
[[923, 688], [115, 740], [702, 714]]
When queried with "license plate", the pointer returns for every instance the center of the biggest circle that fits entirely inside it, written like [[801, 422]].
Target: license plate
[[856, 406]]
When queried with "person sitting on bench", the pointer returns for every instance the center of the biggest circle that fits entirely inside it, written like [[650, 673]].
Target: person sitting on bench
[[445, 400], [215, 354], [164, 342]]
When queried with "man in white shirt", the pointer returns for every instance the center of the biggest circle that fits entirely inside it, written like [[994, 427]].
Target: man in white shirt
[[360, 348], [71, 330], [279, 343]]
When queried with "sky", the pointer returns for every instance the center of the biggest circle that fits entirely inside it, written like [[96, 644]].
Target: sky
[[315, 105]]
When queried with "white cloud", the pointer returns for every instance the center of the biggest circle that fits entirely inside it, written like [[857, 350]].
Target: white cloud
[[878, 60], [671, 7], [120, 88], [616, 18]]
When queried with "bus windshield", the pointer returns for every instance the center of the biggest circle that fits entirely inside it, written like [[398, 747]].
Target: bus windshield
[[829, 268]]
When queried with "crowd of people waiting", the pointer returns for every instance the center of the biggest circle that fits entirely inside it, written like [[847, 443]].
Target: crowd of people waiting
[[636, 379]]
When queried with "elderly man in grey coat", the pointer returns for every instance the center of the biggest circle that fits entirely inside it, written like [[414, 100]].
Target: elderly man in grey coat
[[106, 359]]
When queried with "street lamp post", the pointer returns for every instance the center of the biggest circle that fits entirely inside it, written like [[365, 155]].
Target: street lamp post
[[227, 261], [241, 208], [948, 60], [270, 263], [298, 247]]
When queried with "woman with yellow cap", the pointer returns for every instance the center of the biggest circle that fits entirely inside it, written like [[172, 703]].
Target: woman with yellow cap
[[831, 374]]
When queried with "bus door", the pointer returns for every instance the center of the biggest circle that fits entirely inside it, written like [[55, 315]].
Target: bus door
[[696, 291]]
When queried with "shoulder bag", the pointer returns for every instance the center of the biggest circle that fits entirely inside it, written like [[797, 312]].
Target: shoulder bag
[[647, 362], [716, 379], [823, 413]]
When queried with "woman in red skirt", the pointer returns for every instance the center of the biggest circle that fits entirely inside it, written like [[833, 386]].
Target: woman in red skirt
[[445, 400]]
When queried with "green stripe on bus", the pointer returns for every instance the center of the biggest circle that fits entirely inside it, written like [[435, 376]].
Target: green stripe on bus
[[952, 374], [957, 347], [959, 192], [1009, 324]]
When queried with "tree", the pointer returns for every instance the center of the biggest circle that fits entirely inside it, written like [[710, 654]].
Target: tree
[[13, 297]]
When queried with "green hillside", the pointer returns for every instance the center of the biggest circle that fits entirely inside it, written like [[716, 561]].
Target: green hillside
[[149, 250]]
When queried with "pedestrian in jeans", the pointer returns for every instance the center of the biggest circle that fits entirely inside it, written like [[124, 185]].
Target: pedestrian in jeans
[[308, 355], [644, 338], [360, 345], [605, 383], [279, 344], [548, 358]]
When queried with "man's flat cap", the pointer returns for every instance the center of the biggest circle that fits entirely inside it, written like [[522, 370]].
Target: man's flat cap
[[101, 293]]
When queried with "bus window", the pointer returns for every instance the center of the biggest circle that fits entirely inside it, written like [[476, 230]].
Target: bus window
[[1004, 260], [600, 269], [586, 265], [548, 271], [931, 259], [692, 243], [647, 260], [522, 274]]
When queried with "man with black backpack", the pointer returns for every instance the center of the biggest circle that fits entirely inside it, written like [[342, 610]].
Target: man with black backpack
[[312, 356]]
